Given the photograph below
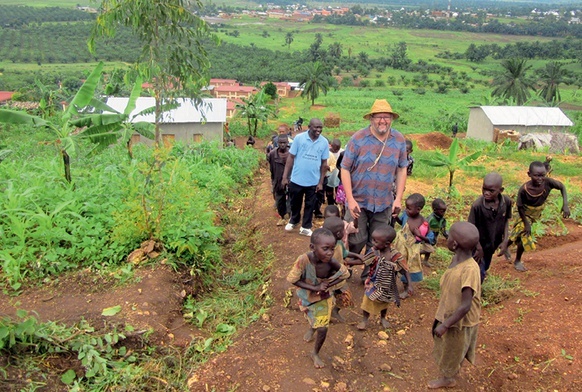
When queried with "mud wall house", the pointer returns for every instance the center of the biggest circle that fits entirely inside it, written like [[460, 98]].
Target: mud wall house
[[5, 96], [523, 119], [283, 88], [186, 123], [233, 92], [223, 82]]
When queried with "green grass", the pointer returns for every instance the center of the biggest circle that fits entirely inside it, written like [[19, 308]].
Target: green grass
[[422, 44]]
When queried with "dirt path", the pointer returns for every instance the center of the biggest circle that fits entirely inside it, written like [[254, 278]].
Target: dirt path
[[520, 343]]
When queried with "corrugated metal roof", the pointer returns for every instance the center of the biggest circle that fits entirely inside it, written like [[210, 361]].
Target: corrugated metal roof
[[213, 109], [526, 116]]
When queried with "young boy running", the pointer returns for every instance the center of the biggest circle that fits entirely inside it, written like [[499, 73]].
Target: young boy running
[[314, 273], [531, 200], [457, 318], [380, 285], [491, 213]]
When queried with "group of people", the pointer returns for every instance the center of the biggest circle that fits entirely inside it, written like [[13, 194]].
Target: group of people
[[373, 171]]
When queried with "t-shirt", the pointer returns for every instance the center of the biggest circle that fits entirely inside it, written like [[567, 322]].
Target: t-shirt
[[490, 222], [526, 198], [309, 155], [373, 167], [464, 274]]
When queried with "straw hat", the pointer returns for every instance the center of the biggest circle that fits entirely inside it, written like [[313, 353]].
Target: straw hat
[[381, 106]]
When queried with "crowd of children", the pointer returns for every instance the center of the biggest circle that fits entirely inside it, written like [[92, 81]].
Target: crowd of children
[[321, 274]]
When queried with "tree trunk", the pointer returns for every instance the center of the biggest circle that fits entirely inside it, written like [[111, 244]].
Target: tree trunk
[[67, 163], [451, 175], [130, 149], [158, 114]]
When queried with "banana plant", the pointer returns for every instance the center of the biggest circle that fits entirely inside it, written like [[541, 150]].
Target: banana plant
[[77, 122], [452, 161]]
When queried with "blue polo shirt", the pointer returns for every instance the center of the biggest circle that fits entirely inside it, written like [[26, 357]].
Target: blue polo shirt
[[308, 156]]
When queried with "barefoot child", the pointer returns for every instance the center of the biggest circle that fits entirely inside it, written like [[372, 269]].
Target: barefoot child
[[491, 213], [380, 286], [437, 224], [531, 200], [343, 295], [457, 318], [314, 273], [414, 236]]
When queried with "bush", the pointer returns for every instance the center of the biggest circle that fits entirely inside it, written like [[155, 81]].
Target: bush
[[364, 83], [419, 91], [379, 83]]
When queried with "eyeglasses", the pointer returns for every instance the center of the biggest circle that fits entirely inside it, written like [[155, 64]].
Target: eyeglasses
[[380, 118]]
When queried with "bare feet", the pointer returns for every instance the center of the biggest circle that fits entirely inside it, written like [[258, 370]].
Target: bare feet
[[506, 254], [403, 295], [335, 314], [317, 362], [443, 382], [362, 325], [308, 337], [385, 323], [518, 265]]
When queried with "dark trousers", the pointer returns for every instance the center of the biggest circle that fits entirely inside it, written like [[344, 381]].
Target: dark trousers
[[296, 194], [330, 195], [282, 202], [484, 264], [367, 222]]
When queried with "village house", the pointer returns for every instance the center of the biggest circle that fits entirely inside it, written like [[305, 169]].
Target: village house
[[232, 92], [186, 123], [483, 120]]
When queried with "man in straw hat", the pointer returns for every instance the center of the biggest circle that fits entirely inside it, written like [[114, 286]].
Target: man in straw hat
[[374, 160]]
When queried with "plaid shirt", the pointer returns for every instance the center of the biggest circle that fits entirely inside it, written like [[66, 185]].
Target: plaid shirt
[[373, 189]]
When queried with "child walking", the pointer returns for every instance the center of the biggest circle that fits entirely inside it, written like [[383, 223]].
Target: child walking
[[414, 236], [314, 273], [457, 317], [349, 227], [531, 200], [341, 291], [437, 225], [491, 213], [380, 286], [277, 159]]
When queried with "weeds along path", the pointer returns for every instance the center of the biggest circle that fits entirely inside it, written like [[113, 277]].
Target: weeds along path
[[520, 343]]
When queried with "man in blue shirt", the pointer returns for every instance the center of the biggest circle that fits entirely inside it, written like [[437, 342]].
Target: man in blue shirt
[[307, 163]]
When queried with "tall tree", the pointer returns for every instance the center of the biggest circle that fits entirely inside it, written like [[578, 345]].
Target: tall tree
[[335, 50], [400, 58], [172, 55], [289, 39], [551, 77], [314, 79], [513, 82]]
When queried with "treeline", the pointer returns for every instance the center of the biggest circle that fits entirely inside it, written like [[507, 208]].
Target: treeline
[[553, 50], [63, 43], [548, 27], [12, 16]]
